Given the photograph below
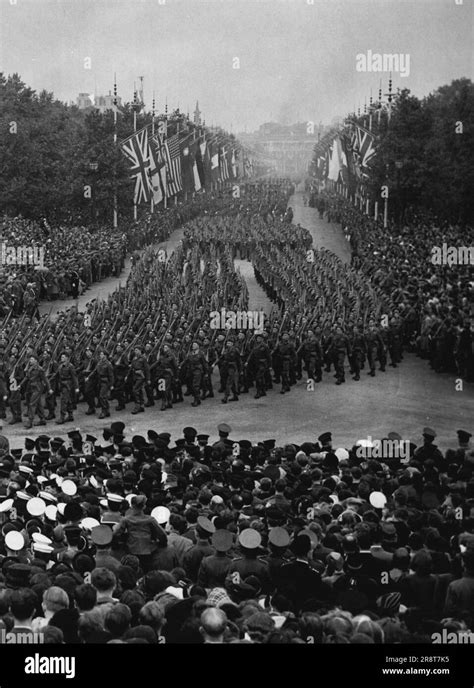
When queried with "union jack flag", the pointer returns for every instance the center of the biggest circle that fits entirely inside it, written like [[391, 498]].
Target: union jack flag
[[173, 165], [362, 143], [136, 150]]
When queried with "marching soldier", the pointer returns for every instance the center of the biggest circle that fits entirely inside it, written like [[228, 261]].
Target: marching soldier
[[338, 348], [286, 353], [16, 375], [210, 354], [194, 368], [36, 384], [310, 352], [149, 386], [140, 374], [105, 379], [359, 350], [50, 369], [395, 341], [375, 345], [120, 368], [68, 386], [89, 380], [166, 372], [259, 364], [232, 365]]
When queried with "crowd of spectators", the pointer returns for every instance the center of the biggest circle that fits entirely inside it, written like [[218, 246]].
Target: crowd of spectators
[[145, 540]]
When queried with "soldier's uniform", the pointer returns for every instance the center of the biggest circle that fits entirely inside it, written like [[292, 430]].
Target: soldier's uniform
[[259, 363], [105, 380], [121, 368], [16, 375], [37, 384], [232, 365], [311, 354], [89, 382], [149, 386], [214, 568], [287, 355], [67, 383], [339, 346], [166, 371], [249, 564], [140, 373], [375, 345], [359, 350], [50, 368], [395, 341], [195, 367]]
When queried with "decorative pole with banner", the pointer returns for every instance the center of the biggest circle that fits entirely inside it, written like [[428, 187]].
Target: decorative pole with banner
[[115, 147]]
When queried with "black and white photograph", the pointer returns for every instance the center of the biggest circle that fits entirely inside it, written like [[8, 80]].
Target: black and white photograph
[[237, 335]]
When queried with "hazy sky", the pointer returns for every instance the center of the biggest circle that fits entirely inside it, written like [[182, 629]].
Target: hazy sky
[[297, 57]]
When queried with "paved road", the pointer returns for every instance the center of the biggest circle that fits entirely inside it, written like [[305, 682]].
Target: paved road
[[404, 399]]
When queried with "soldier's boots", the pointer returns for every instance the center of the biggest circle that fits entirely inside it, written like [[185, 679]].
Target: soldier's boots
[[120, 407], [149, 403], [234, 398], [138, 409], [90, 411], [104, 414], [356, 377], [371, 373], [51, 416], [41, 421], [28, 424], [62, 419], [196, 402], [382, 368], [14, 420]]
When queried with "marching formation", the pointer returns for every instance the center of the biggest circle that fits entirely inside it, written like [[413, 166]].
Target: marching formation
[[156, 339]]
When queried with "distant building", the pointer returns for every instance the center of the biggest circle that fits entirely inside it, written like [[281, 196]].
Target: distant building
[[101, 103], [290, 147]]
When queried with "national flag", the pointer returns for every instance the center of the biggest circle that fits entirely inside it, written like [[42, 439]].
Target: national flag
[[233, 163], [363, 144], [214, 156], [173, 165], [204, 163], [157, 172], [186, 164], [195, 153], [137, 152], [223, 164]]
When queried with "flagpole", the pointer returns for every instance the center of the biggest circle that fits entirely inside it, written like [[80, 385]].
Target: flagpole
[[135, 213], [165, 204], [152, 202], [115, 222]]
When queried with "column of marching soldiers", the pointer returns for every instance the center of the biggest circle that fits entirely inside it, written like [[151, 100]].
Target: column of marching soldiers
[[153, 339]]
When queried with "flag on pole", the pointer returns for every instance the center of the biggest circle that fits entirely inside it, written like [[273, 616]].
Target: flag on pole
[[157, 172], [223, 164], [173, 165], [137, 152]]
